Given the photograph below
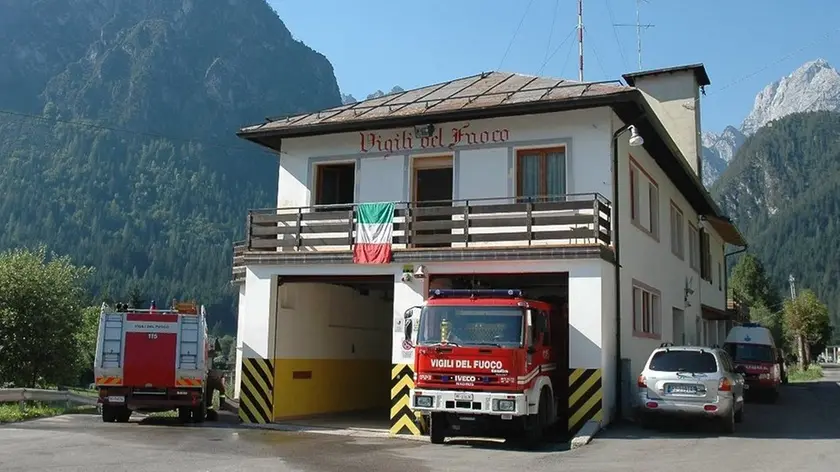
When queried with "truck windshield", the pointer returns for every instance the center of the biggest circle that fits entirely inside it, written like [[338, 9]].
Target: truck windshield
[[749, 352], [471, 325]]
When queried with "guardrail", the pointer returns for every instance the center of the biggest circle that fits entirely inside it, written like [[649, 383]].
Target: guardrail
[[23, 395]]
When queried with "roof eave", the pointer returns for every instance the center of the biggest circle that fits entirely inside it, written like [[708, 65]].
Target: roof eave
[[498, 111]]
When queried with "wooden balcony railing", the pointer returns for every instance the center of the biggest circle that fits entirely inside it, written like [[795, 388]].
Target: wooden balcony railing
[[500, 222], [238, 262]]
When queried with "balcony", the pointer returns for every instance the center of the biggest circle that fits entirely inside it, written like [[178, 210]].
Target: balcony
[[500, 223]]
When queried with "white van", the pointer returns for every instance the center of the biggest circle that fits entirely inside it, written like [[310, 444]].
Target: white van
[[752, 346]]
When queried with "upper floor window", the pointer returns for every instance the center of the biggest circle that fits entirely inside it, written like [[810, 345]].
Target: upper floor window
[[693, 247], [677, 232], [644, 200], [646, 311], [541, 172], [335, 184]]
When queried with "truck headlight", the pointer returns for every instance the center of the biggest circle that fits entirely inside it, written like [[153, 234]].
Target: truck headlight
[[423, 401], [505, 405]]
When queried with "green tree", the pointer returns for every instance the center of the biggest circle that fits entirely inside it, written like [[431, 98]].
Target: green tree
[[806, 322], [771, 319], [86, 339], [750, 285], [41, 315]]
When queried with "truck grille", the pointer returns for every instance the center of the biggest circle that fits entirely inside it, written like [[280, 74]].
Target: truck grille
[[463, 404]]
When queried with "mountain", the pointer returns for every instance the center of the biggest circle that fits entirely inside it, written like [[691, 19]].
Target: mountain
[[783, 190], [814, 86], [117, 143]]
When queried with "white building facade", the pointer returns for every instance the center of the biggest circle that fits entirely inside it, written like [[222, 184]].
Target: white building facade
[[523, 175]]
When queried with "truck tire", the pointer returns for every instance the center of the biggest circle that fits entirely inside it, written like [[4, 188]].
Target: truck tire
[[109, 414], [199, 413], [437, 428], [184, 414], [536, 425], [123, 415]]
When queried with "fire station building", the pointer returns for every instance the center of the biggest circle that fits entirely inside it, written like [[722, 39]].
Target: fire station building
[[585, 194]]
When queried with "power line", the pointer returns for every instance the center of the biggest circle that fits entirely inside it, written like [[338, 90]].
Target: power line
[[615, 34], [598, 59], [551, 30], [128, 131], [515, 33], [568, 36]]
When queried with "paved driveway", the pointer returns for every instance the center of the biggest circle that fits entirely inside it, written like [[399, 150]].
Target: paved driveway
[[800, 432]]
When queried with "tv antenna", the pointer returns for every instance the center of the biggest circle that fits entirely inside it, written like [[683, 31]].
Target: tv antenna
[[580, 40], [639, 26]]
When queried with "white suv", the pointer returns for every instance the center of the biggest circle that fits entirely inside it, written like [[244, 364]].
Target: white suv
[[691, 381]]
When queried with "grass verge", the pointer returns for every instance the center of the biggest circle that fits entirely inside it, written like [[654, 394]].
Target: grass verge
[[12, 413], [813, 372]]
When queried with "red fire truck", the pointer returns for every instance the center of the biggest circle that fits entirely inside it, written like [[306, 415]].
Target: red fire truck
[[486, 364], [151, 360]]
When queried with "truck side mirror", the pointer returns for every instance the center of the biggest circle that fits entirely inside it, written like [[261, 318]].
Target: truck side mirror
[[408, 322]]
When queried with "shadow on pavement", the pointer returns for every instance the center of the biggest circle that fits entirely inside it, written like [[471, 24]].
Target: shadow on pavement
[[807, 410]]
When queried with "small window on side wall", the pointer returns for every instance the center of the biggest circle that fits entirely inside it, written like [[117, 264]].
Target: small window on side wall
[[335, 186]]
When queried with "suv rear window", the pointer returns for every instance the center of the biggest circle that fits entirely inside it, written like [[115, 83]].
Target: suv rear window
[[684, 361]]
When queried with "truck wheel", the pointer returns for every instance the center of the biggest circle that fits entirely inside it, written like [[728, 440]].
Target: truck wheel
[[123, 415], [199, 413], [535, 425], [437, 428], [184, 414], [109, 414]]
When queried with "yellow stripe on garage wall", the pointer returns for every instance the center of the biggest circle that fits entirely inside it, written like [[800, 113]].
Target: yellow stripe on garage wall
[[304, 387], [403, 419], [585, 398]]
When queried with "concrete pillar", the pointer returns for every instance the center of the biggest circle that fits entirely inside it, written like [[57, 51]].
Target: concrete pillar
[[403, 420], [585, 311], [255, 336]]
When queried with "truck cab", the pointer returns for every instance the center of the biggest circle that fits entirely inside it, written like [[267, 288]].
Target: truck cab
[[486, 363]]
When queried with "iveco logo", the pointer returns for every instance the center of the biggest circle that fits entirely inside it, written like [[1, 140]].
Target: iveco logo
[[464, 378]]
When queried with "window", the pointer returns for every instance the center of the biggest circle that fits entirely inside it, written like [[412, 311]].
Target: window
[[720, 276], [677, 232], [750, 352], [696, 362], [705, 257], [335, 185], [541, 172], [644, 200], [646, 319], [693, 247]]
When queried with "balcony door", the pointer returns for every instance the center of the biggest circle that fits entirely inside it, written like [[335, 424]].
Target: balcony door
[[432, 187]]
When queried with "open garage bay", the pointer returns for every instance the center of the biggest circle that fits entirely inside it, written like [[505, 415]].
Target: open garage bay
[[333, 351]]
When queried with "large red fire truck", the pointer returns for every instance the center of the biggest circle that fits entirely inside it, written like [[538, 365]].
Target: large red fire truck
[[151, 360], [489, 363]]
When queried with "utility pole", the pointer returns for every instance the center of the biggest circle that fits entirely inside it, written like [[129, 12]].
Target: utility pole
[[639, 26], [580, 40]]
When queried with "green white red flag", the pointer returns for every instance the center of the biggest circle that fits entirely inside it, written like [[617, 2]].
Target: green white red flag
[[374, 233]]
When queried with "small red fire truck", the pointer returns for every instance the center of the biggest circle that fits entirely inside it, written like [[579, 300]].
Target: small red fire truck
[[151, 360], [486, 364]]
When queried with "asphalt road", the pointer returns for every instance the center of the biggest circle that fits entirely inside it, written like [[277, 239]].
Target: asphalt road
[[800, 432]]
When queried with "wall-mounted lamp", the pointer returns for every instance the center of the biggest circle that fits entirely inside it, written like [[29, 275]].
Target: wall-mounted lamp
[[420, 272], [424, 131], [635, 139]]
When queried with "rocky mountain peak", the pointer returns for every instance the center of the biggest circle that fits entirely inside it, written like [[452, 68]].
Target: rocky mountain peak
[[814, 86]]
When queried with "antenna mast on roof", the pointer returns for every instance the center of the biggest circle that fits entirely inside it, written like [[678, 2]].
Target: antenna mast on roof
[[580, 40], [638, 25]]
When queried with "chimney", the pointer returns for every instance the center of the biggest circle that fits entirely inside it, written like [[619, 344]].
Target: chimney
[[674, 95]]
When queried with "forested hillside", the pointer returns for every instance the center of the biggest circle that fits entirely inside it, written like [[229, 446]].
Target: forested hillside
[[117, 144], [783, 190]]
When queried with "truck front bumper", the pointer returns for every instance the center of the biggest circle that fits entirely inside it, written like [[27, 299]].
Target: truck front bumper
[[502, 404]]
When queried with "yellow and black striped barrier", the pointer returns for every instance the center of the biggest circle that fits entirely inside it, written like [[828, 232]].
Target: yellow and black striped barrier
[[403, 419], [585, 395], [256, 391]]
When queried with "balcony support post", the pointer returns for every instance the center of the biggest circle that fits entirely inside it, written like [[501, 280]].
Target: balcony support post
[[249, 221]]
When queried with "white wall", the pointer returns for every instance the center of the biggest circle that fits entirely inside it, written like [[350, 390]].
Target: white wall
[[324, 321], [239, 318], [481, 169], [651, 261]]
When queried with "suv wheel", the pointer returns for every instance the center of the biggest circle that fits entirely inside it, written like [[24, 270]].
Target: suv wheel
[[739, 415], [727, 423]]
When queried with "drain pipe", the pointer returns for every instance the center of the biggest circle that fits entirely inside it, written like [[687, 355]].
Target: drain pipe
[[617, 265]]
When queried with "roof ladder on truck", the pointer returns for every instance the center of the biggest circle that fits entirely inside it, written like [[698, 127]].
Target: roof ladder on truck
[[112, 341], [189, 348]]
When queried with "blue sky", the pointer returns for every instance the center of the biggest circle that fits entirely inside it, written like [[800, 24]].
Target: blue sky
[[745, 44]]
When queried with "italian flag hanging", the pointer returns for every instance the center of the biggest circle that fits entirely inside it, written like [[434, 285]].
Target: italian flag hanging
[[374, 233]]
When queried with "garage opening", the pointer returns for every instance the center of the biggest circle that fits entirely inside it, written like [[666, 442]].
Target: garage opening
[[548, 287], [333, 351]]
